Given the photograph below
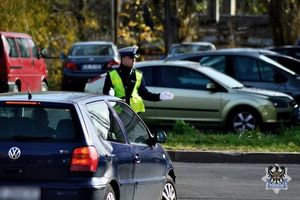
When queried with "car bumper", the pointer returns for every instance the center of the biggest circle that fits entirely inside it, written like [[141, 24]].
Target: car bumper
[[51, 191], [74, 194], [77, 80]]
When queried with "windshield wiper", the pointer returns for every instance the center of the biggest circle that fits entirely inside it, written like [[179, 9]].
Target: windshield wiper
[[26, 137]]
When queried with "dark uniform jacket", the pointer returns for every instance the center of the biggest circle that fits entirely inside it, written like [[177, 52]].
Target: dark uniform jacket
[[128, 78]]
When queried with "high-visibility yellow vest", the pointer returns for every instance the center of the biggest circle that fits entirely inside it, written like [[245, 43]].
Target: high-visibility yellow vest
[[136, 102]]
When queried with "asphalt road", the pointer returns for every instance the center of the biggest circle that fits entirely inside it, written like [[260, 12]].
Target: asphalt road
[[231, 182]]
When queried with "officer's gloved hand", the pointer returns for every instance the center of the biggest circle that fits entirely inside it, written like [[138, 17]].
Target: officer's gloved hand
[[111, 92], [166, 96]]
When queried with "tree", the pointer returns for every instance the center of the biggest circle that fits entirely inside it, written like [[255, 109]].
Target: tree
[[284, 20]]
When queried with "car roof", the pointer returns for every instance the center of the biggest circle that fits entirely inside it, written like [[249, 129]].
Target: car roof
[[53, 96], [92, 43], [15, 34], [250, 50], [234, 51], [193, 43], [285, 47], [180, 63], [216, 52], [162, 62]]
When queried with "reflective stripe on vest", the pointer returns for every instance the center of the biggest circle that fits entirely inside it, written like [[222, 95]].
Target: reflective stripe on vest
[[135, 101]]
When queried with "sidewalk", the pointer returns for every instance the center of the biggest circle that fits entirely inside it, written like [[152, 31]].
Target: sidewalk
[[233, 157]]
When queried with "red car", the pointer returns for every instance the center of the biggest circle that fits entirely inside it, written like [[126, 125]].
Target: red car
[[23, 67]]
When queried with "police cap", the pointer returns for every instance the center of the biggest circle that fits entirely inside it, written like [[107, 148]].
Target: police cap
[[129, 51]]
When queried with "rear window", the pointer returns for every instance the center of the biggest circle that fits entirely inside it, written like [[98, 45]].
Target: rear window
[[36, 123], [92, 50]]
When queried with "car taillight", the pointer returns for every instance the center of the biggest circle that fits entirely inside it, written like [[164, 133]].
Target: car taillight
[[85, 159], [113, 62], [71, 65]]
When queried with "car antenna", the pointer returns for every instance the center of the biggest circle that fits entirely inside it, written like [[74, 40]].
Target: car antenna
[[28, 91]]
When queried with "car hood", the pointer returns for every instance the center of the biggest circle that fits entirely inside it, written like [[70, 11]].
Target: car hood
[[262, 92]]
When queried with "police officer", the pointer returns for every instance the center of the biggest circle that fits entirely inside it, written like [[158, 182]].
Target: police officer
[[128, 83]]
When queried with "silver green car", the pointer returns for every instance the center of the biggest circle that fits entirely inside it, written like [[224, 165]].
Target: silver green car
[[206, 96]]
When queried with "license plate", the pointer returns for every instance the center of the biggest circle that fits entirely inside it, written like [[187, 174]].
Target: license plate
[[90, 66], [20, 193]]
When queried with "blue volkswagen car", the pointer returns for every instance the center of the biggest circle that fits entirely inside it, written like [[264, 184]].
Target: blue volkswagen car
[[78, 146]]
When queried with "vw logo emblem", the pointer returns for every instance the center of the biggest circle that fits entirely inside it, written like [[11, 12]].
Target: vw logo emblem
[[14, 153]]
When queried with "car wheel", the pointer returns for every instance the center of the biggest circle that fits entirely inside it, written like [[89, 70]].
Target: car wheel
[[169, 190], [109, 194], [44, 87], [244, 120]]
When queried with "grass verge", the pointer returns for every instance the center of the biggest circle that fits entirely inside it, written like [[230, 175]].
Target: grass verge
[[186, 137]]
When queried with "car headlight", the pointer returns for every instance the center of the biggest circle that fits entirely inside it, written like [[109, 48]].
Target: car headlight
[[278, 103]]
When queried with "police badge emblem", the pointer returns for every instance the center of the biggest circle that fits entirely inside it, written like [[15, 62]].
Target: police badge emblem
[[276, 178]]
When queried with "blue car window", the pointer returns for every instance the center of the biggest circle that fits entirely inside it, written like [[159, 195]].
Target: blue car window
[[135, 128], [267, 72], [104, 122], [246, 69], [216, 62]]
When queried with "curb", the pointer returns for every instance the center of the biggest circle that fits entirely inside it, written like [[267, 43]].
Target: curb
[[233, 157]]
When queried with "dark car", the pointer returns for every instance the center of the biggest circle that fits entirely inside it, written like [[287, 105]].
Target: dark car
[[293, 51], [286, 61], [79, 146], [86, 60], [249, 67]]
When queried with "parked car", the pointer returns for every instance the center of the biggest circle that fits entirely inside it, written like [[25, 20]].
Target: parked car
[[203, 95], [86, 60], [23, 67], [286, 61], [249, 67], [293, 51], [89, 147], [189, 47]]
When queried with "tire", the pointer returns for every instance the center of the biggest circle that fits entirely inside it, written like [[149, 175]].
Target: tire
[[244, 120], [169, 190], [44, 87], [109, 194]]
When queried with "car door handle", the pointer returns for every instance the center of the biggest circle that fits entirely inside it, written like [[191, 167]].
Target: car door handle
[[137, 158]]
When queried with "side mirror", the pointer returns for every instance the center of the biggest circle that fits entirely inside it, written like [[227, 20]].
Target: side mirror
[[160, 136], [211, 86], [279, 78], [62, 56], [44, 53]]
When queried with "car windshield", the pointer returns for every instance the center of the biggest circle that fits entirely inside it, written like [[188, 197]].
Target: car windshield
[[92, 50], [221, 78], [269, 60]]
